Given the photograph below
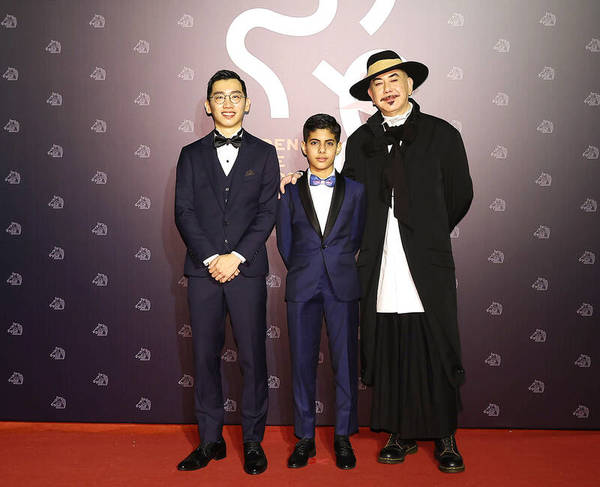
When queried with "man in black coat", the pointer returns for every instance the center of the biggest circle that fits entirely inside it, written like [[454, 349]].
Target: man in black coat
[[414, 168]]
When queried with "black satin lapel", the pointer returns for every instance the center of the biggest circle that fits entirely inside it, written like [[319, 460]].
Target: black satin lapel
[[307, 203], [212, 165], [240, 166], [336, 203]]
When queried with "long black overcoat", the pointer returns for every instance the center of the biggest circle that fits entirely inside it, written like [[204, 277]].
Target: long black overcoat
[[440, 192]]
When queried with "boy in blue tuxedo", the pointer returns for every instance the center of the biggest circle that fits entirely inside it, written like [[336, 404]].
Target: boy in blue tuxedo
[[319, 228]]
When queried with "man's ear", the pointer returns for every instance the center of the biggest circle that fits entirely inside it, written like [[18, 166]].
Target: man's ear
[[303, 147], [207, 108], [370, 92], [247, 105], [409, 82], [338, 149]]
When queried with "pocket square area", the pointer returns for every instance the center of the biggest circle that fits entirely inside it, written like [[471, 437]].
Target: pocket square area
[[249, 172]]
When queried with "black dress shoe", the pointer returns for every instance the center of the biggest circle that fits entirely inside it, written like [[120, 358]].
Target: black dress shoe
[[344, 456], [200, 457], [396, 449], [255, 461], [448, 456], [303, 450]]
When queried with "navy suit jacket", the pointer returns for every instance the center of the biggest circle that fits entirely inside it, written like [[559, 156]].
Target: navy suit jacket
[[206, 224], [307, 252]]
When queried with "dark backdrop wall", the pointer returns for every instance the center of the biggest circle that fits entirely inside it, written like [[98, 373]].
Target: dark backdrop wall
[[97, 98]]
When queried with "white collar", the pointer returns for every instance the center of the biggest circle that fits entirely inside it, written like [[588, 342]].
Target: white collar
[[398, 119]]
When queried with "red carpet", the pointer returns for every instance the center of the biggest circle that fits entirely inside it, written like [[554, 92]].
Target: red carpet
[[75, 454]]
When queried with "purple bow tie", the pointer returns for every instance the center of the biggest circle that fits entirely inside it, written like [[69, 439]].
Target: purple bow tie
[[316, 181]]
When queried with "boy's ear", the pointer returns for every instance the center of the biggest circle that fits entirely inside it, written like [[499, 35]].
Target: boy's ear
[[338, 149], [207, 108], [303, 146], [247, 105]]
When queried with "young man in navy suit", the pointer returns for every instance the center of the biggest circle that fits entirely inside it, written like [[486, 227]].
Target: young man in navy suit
[[319, 228], [225, 207]]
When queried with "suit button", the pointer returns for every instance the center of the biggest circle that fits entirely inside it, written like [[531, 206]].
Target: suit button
[[227, 188], [226, 241], [226, 222], [323, 246]]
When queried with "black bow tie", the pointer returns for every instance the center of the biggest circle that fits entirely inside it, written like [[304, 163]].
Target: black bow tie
[[220, 141]]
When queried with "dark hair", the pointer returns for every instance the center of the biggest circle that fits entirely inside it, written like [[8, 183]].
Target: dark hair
[[321, 121], [224, 74]]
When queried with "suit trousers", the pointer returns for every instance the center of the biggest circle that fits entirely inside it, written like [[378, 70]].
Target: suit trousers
[[245, 300], [304, 329]]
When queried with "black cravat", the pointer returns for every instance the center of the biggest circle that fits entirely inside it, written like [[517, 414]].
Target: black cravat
[[220, 141]]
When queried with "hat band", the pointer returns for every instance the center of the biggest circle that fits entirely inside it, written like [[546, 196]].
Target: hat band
[[382, 65]]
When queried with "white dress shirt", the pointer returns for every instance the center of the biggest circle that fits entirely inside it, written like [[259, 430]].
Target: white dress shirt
[[396, 292], [321, 197]]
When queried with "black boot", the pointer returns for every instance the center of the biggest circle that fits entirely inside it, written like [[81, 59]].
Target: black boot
[[396, 449], [448, 456]]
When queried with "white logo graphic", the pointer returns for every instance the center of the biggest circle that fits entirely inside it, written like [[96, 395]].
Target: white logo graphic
[[14, 229], [457, 124], [496, 257], [143, 254], [456, 20], [101, 379], [589, 206], [273, 332], [56, 203], [493, 360], [99, 74], [16, 379], [230, 406], [456, 74], [101, 330], [455, 233], [55, 99], [99, 178], [593, 45], [186, 74], [499, 152], [13, 178], [58, 353], [143, 355], [593, 99], [537, 387], [57, 253], [321, 357], [544, 179], [501, 99], [281, 24], [274, 382], [143, 304], [540, 284], [273, 280], [142, 47], [543, 232], [143, 152], [585, 310], [185, 331], [186, 381], [10, 22], [15, 279], [591, 152], [319, 407], [588, 258], [495, 309], [548, 20], [143, 99], [57, 304], [582, 412], [547, 74], [55, 151], [98, 21], [186, 126], [11, 74], [502, 45], [143, 203], [101, 280], [16, 329], [498, 205], [144, 404], [229, 355], [101, 229], [183, 282], [492, 410], [59, 402], [99, 126], [538, 336], [54, 47], [584, 361], [12, 126], [186, 21], [361, 385], [545, 127]]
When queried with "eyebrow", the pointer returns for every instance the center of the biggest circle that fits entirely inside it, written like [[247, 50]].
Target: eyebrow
[[393, 75], [235, 92], [318, 140]]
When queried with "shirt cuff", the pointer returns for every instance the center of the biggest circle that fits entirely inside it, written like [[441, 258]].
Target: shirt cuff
[[208, 260], [239, 256]]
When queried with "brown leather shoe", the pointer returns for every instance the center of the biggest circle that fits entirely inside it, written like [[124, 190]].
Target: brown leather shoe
[[396, 449], [447, 454]]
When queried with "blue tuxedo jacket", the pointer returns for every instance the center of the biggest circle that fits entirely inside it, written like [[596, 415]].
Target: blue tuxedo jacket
[[307, 252], [206, 224]]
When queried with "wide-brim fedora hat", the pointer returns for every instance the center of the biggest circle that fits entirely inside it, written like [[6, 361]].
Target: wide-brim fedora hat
[[382, 62]]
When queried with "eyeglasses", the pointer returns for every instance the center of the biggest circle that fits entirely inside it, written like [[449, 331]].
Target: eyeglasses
[[234, 98]]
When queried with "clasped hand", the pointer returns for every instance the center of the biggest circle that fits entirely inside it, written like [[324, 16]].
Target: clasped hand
[[224, 267]]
